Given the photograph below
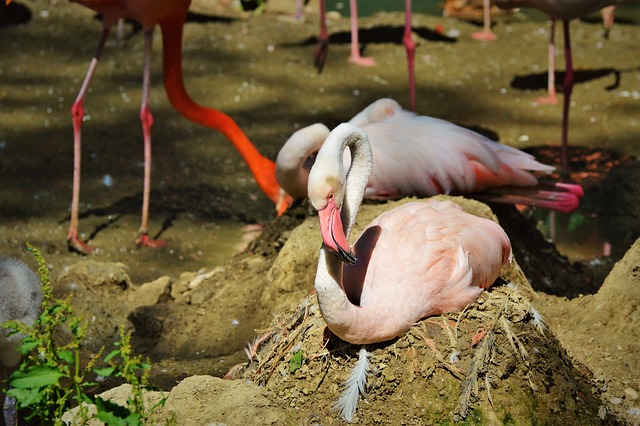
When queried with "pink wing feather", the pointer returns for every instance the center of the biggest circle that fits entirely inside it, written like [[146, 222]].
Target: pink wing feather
[[431, 257]]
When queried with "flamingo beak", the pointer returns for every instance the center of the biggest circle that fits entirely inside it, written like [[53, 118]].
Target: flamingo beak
[[284, 202], [333, 233]]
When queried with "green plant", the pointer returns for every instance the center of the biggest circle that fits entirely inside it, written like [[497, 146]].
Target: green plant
[[52, 374]]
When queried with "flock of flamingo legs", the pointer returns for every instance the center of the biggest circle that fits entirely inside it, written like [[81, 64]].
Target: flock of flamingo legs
[[389, 279]]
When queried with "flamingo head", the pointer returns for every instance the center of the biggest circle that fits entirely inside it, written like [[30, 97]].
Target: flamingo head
[[297, 156], [326, 192]]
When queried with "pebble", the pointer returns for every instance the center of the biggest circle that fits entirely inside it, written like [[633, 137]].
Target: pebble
[[631, 394]]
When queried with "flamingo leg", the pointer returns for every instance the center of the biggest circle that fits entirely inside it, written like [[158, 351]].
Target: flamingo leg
[[77, 114], [410, 46], [299, 9], [322, 48], [355, 57], [607, 19], [567, 88], [147, 122], [486, 33], [551, 98]]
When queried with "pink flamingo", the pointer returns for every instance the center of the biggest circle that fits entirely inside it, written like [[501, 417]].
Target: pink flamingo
[[20, 300], [566, 10], [411, 262], [355, 57], [425, 156], [170, 15]]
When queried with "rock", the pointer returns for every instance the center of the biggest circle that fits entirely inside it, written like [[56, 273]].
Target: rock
[[631, 394], [150, 293], [202, 400]]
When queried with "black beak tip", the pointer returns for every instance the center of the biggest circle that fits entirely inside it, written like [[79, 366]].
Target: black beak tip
[[347, 257]]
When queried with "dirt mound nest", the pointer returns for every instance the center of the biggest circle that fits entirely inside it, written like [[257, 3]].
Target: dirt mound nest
[[494, 362]]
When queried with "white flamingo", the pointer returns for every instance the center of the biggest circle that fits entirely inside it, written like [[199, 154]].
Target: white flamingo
[[424, 156]]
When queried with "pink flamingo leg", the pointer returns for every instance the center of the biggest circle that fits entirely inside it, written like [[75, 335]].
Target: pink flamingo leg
[[299, 9], [486, 33], [355, 57], [410, 46], [567, 88], [551, 98], [607, 19], [77, 114], [147, 122], [322, 48]]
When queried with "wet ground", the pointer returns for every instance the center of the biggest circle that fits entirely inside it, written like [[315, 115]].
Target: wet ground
[[259, 70]]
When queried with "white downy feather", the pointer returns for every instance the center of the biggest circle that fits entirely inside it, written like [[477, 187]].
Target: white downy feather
[[537, 320], [353, 387]]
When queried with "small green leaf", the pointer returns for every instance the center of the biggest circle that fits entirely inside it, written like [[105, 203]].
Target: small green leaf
[[28, 345], [111, 355], [296, 362], [104, 372], [35, 378], [66, 356], [25, 397]]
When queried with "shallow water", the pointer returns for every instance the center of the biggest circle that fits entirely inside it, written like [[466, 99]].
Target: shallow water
[[580, 236]]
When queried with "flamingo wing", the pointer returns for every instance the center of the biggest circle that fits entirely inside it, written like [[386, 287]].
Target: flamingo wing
[[426, 258], [425, 156]]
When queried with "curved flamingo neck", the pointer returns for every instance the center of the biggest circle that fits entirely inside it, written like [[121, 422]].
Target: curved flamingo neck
[[359, 171], [262, 168], [343, 317]]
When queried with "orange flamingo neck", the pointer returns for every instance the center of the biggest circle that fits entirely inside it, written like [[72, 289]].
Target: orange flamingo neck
[[261, 167]]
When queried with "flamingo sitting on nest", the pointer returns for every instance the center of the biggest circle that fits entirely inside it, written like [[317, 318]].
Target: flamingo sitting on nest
[[411, 262], [170, 15], [425, 156]]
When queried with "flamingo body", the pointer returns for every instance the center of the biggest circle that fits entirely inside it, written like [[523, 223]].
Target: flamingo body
[[425, 156], [414, 261]]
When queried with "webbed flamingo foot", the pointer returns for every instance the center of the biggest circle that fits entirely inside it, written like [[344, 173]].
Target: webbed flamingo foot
[[547, 100], [79, 246], [483, 36], [362, 61], [144, 240]]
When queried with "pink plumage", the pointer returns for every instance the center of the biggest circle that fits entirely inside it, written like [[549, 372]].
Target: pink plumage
[[417, 260]]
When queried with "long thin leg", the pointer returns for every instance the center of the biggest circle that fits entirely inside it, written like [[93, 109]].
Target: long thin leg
[[77, 114], [608, 14], [410, 46], [147, 122], [551, 98], [486, 33], [567, 88], [322, 48], [355, 42]]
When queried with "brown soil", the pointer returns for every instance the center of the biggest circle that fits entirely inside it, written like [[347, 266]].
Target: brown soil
[[194, 305]]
